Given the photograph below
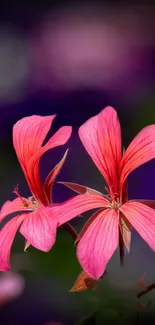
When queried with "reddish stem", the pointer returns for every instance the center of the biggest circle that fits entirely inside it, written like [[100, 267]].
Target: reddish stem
[[121, 242], [121, 249], [149, 288]]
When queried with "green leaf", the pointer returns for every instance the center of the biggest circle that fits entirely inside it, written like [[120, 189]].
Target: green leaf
[[88, 320], [109, 315], [60, 261]]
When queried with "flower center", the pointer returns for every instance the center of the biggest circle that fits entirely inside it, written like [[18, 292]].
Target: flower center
[[115, 204], [35, 203], [114, 198]]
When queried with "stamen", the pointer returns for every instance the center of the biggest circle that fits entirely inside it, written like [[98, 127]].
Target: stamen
[[113, 195], [16, 191], [107, 189], [108, 195]]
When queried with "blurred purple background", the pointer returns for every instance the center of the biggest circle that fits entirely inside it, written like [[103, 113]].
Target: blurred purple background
[[74, 60]]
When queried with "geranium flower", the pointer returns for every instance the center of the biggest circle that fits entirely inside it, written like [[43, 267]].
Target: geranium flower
[[101, 137], [38, 225]]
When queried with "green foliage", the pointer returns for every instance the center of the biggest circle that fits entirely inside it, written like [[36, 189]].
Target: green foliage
[[60, 261], [88, 320], [107, 304]]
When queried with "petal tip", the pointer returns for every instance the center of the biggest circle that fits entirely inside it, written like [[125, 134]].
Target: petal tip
[[5, 268]]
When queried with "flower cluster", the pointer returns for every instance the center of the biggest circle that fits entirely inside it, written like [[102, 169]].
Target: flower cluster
[[112, 223]]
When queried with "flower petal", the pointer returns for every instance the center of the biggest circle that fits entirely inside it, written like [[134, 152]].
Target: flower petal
[[19, 204], [125, 228], [140, 151], [80, 189], [28, 135], [75, 206], [87, 225], [142, 219], [101, 137], [7, 235], [52, 176], [149, 203], [83, 282], [39, 228], [99, 243], [59, 138]]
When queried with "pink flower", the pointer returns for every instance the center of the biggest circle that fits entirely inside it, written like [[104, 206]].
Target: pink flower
[[37, 224], [12, 286], [101, 137]]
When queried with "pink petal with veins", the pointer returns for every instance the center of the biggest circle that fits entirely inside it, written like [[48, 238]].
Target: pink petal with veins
[[140, 151], [99, 242], [17, 205], [39, 228], [28, 136], [142, 219], [48, 184], [75, 206], [7, 235], [101, 137], [59, 138]]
